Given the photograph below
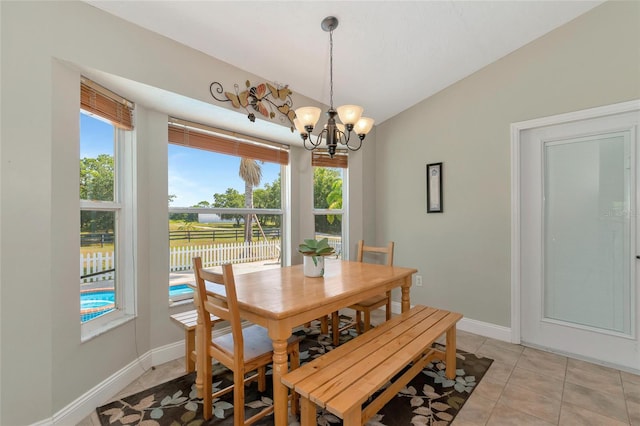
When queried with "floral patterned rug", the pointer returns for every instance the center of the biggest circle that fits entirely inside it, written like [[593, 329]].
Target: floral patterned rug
[[429, 399]]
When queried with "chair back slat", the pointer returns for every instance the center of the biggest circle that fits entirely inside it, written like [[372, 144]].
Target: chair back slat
[[387, 250], [223, 304]]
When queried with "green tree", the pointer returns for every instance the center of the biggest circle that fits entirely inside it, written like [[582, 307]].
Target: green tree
[[327, 194], [96, 184], [230, 199], [334, 199], [324, 180], [251, 173], [269, 197]]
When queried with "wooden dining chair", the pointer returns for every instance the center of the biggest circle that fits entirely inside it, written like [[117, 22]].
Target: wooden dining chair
[[242, 351], [368, 305]]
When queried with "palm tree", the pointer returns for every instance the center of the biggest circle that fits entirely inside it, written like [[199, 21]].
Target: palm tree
[[251, 174]]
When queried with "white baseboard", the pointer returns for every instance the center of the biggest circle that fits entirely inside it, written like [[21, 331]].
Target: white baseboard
[[485, 329], [469, 325], [83, 406]]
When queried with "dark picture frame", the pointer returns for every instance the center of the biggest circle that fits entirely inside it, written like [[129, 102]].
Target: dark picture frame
[[434, 188]]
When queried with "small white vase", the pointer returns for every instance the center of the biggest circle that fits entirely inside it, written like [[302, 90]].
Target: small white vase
[[313, 266]]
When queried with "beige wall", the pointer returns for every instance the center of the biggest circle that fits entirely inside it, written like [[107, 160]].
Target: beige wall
[[464, 253]]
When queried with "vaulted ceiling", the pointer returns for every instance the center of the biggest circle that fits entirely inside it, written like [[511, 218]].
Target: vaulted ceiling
[[388, 55]]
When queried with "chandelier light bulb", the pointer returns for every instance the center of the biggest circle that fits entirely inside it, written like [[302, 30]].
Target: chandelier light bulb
[[349, 114], [308, 116], [299, 127], [363, 126]]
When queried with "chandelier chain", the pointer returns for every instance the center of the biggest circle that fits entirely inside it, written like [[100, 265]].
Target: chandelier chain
[[331, 68]]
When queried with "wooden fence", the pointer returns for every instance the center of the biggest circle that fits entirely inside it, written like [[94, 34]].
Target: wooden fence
[[100, 266], [236, 234]]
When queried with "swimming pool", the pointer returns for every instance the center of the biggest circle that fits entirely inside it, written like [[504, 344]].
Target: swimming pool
[[97, 302]]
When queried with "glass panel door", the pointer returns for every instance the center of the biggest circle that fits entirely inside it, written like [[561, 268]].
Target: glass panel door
[[587, 233]]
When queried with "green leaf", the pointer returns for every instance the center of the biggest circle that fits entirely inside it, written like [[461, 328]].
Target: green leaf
[[191, 406], [156, 413], [456, 402]]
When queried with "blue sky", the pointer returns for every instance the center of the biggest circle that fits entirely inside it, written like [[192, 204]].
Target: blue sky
[[194, 175]]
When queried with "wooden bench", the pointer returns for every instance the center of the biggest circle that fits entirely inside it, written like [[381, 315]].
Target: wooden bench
[[188, 321], [344, 379]]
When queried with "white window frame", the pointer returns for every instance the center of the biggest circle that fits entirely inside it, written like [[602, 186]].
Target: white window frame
[[125, 235]]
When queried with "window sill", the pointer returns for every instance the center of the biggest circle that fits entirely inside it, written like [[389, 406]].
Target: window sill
[[106, 327]]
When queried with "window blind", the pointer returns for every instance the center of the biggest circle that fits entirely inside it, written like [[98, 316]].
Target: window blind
[[210, 141], [322, 159], [106, 104]]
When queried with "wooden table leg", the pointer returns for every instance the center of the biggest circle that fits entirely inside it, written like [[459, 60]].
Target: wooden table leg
[[280, 391], [406, 288], [450, 353]]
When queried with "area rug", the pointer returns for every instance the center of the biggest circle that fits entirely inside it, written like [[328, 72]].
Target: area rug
[[429, 399]]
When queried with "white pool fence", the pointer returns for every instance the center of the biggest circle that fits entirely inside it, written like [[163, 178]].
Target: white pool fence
[[100, 266]]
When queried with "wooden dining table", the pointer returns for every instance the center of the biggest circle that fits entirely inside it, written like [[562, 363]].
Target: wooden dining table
[[282, 299]]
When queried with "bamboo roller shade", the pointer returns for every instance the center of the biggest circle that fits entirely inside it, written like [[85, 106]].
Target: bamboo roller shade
[[322, 159], [192, 138], [106, 105]]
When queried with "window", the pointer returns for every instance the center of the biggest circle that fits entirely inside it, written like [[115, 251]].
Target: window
[[329, 177], [218, 185], [106, 202]]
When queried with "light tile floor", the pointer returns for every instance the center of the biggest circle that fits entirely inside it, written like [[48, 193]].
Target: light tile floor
[[523, 386]]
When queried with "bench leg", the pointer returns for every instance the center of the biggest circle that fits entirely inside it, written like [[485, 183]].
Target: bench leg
[[307, 412], [451, 353], [353, 417], [189, 347]]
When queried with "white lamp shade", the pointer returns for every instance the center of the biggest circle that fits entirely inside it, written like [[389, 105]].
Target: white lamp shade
[[308, 116], [363, 126], [349, 114], [299, 127]]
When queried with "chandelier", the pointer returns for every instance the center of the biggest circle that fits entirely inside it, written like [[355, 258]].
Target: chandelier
[[350, 115]]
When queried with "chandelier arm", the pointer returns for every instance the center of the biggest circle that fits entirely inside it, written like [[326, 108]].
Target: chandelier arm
[[309, 144], [344, 140], [354, 148]]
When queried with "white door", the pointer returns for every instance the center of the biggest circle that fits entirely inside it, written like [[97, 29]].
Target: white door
[[579, 291]]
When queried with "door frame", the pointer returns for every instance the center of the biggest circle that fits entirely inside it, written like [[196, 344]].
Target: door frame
[[516, 141]]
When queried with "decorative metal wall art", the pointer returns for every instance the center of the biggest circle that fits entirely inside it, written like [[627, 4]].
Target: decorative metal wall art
[[263, 98]]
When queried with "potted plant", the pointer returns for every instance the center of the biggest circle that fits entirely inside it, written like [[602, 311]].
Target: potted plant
[[314, 252]]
